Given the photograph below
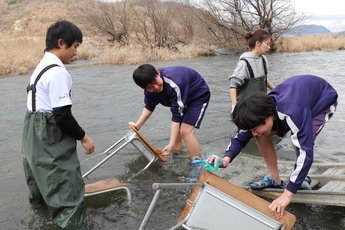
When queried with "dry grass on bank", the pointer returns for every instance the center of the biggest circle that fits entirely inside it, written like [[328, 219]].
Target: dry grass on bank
[[136, 54], [18, 55], [307, 43]]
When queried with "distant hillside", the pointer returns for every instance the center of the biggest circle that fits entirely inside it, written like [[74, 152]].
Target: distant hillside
[[33, 17], [308, 29]]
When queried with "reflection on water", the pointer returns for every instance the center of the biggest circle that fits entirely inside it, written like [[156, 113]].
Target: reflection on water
[[105, 99]]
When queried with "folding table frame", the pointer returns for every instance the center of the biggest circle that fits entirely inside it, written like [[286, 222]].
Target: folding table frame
[[135, 138]]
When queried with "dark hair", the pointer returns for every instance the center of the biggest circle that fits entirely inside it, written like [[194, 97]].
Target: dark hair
[[144, 75], [259, 35], [62, 30], [253, 110]]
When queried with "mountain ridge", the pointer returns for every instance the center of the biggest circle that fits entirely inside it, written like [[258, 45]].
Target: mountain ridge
[[307, 29]]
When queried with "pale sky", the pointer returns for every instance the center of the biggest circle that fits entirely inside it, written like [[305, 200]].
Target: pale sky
[[327, 13]]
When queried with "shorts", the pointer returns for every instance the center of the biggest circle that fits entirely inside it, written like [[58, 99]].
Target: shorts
[[195, 112]]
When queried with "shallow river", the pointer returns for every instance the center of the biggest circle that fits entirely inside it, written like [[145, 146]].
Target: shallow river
[[105, 99]]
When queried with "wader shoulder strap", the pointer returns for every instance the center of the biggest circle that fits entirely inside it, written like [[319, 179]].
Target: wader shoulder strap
[[33, 86], [264, 63], [249, 67]]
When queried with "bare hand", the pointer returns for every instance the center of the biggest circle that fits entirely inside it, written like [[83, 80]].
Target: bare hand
[[88, 144], [133, 125], [167, 150], [225, 161], [277, 207]]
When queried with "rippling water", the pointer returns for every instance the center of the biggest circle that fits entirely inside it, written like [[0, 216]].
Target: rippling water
[[105, 99]]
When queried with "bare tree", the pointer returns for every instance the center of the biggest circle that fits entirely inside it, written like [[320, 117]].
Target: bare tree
[[216, 30], [276, 16], [110, 18], [183, 26], [155, 23], [152, 23]]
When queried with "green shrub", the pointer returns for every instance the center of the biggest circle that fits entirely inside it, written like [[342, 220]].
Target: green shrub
[[207, 54]]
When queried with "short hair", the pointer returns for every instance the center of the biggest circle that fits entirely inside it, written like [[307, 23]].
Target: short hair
[[145, 74], [253, 110], [259, 35], [62, 30]]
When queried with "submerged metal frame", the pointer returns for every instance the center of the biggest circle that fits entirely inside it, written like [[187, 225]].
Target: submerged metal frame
[[158, 187], [139, 142], [122, 186], [206, 198]]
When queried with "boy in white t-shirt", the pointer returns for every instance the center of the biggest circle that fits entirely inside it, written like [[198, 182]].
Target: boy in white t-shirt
[[50, 160]]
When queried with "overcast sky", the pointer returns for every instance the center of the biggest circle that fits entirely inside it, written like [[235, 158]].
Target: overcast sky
[[327, 13]]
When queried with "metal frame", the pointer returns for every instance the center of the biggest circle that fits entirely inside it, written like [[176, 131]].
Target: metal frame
[[122, 186], [211, 207], [158, 187], [139, 142]]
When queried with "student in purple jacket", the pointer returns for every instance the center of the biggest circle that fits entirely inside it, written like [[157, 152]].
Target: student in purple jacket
[[300, 105], [185, 92]]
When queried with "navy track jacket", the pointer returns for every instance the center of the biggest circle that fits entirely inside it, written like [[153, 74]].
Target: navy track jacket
[[297, 99], [181, 87]]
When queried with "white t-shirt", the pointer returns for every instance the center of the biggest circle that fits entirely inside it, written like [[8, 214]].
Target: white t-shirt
[[54, 87]]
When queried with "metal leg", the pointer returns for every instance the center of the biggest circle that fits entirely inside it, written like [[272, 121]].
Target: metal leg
[[159, 187], [109, 156], [133, 138], [150, 210], [186, 227], [138, 173], [182, 223], [129, 196]]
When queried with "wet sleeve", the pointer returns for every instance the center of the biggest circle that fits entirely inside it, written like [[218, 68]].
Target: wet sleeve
[[68, 124], [238, 143]]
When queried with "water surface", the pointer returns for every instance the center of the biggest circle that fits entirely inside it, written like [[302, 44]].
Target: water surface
[[105, 99]]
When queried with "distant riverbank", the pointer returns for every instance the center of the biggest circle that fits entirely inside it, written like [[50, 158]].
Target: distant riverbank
[[19, 55]]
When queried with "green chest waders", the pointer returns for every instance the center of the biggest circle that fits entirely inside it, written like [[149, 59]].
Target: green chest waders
[[252, 84], [52, 168]]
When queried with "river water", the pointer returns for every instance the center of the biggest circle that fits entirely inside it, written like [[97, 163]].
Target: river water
[[105, 99]]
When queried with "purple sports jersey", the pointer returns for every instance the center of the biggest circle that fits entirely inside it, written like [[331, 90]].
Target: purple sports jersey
[[298, 100], [183, 90]]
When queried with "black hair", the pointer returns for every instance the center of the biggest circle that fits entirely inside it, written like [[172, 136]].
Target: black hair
[[253, 110], [144, 75], [62, 30], [259, 35]]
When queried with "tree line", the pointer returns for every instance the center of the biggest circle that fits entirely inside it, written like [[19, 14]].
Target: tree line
[[168, 23]]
